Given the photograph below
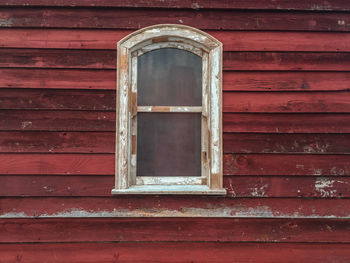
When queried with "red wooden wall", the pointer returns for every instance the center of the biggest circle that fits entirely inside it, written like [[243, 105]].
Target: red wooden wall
[[286, 135]]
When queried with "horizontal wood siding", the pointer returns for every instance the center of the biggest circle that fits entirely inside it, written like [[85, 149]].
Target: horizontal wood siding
[[286, 124]]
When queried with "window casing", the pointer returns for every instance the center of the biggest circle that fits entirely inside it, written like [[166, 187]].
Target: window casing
[[130, 49]]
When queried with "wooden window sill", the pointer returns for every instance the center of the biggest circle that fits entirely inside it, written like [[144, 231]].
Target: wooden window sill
[[170, 189]]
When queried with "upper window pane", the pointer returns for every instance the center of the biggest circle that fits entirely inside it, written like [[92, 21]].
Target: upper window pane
[[169, 77]]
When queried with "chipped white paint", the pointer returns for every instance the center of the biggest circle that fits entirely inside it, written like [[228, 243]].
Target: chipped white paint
[[167, 189], [222, 212], [168, 180], [171, 43], [197, 42], [26, 124], [182, 109], [324, 187], [259, 191]]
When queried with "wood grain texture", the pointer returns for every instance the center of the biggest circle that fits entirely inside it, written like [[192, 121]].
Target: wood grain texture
[[286, 143], [104, 142], [237, 61], [314, 5], [236, 186], [176, 252], [118, 18], [286, 102], [174, 206], [57, 78], [234, 164], [57, 142], [270, 164], [57, 120], [276, 102], [65, 164], [232, 80], [295, 61], [174, 229], [50, 99], [57, 58], [286, 123], [285, 81], [232, 40]]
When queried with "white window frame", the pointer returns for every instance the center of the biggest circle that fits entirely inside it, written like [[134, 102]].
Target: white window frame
[[129, 48]]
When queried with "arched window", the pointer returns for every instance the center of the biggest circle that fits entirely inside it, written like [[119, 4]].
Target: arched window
[[169, 135]]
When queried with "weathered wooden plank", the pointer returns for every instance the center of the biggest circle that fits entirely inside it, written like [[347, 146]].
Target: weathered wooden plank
[[65, 164], [313, 5], [104, 142], [174, 229], [285, 81], [293, 187], [19, 99], [171, 252], [41, 99], [234, 164], [270, 164], [286, 143], [236, 186], [237, 61], [232, 40], [119, 18], [22, 120], [57, 120], [286, 102], [173, 206], [296, 61], [286, 123], [232, 81], [57, 142], [57, 78], [56, 58]]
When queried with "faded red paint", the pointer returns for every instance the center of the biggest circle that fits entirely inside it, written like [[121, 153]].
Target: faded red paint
[[286, 135]]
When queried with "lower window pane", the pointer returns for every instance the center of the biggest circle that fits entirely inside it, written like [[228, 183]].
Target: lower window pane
[[168, 144]]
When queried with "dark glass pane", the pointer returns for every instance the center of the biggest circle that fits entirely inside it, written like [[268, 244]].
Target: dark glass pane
[[169, 77], [168, 144]]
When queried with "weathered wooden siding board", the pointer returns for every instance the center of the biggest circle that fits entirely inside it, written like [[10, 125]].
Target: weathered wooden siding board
[[104, 142], [19, 99], [176, 229], [238, 61], [286, 143], [286, 123], [270, 164], [232, 40], [236, 186], [57, 142], [286, 102], [171, 252], [59, 78], [41, 120], [57, 120], [234, 164], [313, 5], [285, 81], [174, 206], [57, 99], [232, 80], [119, 18]]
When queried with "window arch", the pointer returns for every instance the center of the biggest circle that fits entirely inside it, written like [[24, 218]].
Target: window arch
[[168, 129]]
